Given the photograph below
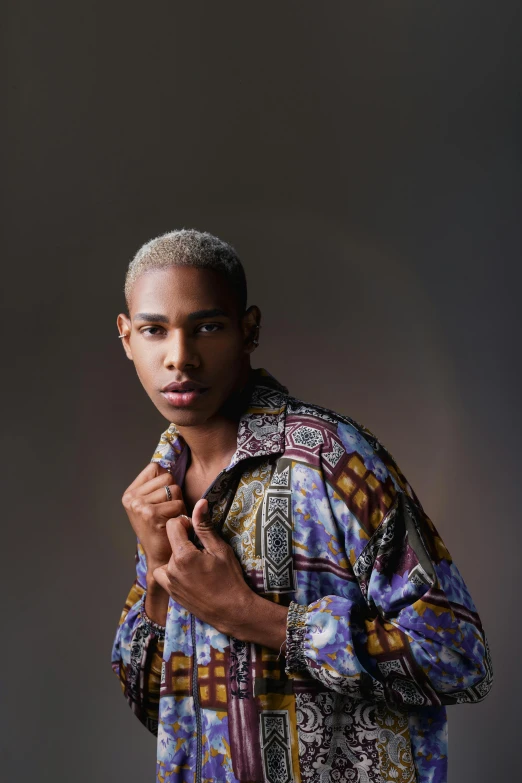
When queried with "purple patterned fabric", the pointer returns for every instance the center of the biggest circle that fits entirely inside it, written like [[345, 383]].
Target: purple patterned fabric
[[382, 634]]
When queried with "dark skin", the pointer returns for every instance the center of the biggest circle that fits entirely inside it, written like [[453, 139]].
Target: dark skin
[[199, 336]]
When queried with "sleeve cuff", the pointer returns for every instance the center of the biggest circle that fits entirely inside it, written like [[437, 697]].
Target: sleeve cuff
[[295, 632], [150, 627]]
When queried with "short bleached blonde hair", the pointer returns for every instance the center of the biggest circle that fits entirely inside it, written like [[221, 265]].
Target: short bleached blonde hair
[[189, 247]]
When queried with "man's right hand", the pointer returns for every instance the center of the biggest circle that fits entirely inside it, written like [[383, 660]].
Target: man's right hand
[[148, 509]]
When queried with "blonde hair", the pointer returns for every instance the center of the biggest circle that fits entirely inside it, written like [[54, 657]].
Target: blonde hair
[[188, 247]]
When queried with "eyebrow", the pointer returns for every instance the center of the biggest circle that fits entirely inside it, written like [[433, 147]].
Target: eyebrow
[[212, 313]]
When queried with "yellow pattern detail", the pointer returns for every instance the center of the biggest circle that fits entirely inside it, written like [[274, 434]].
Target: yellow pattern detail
[[376, 518], [360, 498], [239, 528], [372, 481], [394, 746], [420, 607], [346, 483], [358, 467]]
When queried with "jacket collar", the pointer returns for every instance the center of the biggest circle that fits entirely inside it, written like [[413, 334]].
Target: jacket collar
[[261, 428]]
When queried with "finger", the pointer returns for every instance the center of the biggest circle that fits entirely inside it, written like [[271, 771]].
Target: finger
[[178, 534], [169, 509], [203, 528], [151, 477], [159, 495], [150, 471], [155, 483]]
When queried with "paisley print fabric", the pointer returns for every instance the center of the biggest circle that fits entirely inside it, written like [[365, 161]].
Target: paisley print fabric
[[382, 634]]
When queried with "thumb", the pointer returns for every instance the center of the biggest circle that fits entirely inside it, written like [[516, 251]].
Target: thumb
[[161, 577], [203, 527]]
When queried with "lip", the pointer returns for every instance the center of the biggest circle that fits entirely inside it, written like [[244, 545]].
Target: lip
[[184, 386], [183, 399]]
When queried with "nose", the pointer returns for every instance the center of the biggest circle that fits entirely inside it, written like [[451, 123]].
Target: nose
[[180, 351]]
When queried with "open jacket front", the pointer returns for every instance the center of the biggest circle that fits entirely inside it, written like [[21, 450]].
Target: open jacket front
[[382, 632]]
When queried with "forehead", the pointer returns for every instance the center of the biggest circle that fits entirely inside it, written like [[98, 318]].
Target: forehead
[[181, 289]]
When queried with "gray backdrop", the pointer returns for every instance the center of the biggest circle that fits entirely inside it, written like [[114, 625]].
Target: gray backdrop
[[364, 159]]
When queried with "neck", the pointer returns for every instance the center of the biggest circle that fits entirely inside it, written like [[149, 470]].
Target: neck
[[213, 443]]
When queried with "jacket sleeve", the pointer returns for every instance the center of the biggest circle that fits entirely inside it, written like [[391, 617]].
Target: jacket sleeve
[[409, 634], [137, 651]]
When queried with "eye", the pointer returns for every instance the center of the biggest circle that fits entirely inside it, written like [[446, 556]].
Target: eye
[[148, 328], [210, 328]]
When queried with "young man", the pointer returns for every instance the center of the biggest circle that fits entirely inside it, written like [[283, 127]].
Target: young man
[[295, 614]]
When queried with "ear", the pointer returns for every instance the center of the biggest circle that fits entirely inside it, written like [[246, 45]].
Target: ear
[[124, 328], [250, 325]]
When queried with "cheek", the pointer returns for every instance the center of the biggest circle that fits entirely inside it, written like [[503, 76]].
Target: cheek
[[226, 353], [228, 347], [145, 365]]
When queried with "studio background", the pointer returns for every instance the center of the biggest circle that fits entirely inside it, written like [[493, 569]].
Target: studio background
[[364, 160]]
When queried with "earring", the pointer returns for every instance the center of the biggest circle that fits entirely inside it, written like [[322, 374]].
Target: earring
[[122, 335]]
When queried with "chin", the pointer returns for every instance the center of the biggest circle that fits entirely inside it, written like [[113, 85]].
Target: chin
[[186, 418]]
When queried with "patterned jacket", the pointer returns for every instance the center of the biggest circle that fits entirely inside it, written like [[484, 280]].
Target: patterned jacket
[[382, 633]]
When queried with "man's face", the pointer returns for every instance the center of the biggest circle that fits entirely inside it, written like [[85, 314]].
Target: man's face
[[184, 326]]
